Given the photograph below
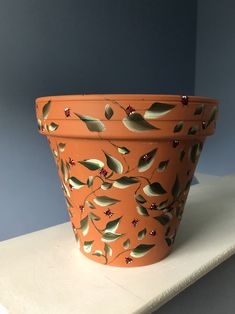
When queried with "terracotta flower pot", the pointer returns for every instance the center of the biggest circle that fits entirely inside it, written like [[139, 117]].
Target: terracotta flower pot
[[126, 163]]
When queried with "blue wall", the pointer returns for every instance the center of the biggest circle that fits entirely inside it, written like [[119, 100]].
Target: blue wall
[[215, 76]]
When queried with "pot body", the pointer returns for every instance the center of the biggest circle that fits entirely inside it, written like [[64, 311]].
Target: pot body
[[126, 163]]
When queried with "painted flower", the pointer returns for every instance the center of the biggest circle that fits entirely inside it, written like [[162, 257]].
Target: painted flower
[[67, 112], [128, 260], [108, 213], [130, 110]]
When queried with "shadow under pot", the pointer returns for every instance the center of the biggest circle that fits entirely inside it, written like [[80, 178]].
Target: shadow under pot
[[126, 163]]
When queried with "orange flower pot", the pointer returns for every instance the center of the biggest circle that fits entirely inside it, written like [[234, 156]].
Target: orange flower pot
[[126, 163]]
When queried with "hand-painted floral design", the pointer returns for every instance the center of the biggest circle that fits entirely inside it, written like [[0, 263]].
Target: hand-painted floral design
[[126, 197]]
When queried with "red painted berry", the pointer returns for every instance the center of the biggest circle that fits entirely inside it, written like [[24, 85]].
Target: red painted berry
[[81, 207], [153, 233], [135, 222], [67, 112], [204, 125], [130, 110], [184, 100], [175, 143], [108, 213], [153, 206], [128, 260], [103, 172], [71, 162]]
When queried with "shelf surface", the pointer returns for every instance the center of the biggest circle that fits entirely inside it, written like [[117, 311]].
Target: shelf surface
[[44, 273]]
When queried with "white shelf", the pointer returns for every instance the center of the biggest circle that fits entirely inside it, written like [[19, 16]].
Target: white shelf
[[44, 273]]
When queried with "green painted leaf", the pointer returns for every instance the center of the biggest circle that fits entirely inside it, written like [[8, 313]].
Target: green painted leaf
[[87, 246], [163, 219], [212, 116], [136, 123], [94, 216], [157, 110], [65, 189], [126, 244], [176, 188], [199, 109], [106, 186], [75, 183], [162, 204], [92, 164], [93, 124], [39, 124], [193, 130], [142, 234], [108, 249], [105, 200], [45, 109], [84, 225], [168, 241], [108, 112], [178, 127], [194, 152], [90, 181], [123, 150], [114, 164], [146, 160], [62, 146], [154, 189], [110, 237], [140, 199], [64, 170], [141, 250], [142, 210], [90, 204], [162, 165], [53, 126], [98, 253], [125, 182], [112, 226]]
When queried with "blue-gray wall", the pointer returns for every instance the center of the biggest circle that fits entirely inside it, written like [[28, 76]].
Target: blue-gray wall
[[215, 76], [60, 47]]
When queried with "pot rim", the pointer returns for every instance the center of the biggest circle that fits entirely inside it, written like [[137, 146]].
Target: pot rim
[[140, 97]]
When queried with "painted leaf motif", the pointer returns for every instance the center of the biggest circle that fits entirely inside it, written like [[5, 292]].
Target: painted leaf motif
[[98, 253], [126, 244], [136, 123], [105, 200], [141, 250], [108, 249], [84, 226], [154, 189], [75, 183], [114, 164], [162, 204], [87, 246], [176, 188], [112, 226], [146, 161], [199, 109], [140, 199], [39, 124], [162, 165], [110, 237], [64, 170], [178, 127], [106, 186], [65, 189], [193, 130], [108, 112], [142, 210], [62, 146], [123, 150], [90, 181], [90, 204], [94, 216], [157, 110], [163, 219], [142, 234], [125, 182], [45, 109], [53, 126], [212, 116], [194, 152], [168, 241], [92, 164], [93, 124]]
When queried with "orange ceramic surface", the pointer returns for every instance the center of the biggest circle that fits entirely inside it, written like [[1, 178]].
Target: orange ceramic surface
[[126, 163]]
